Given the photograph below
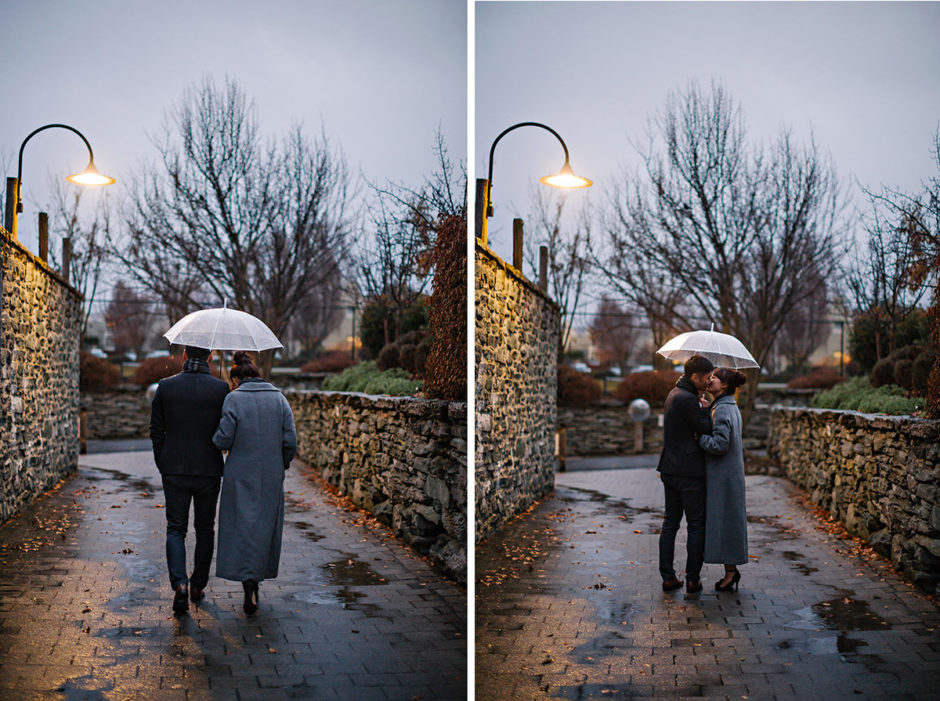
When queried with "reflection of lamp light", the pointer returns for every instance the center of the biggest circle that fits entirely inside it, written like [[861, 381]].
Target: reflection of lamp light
[[89, 177], [564, 178]]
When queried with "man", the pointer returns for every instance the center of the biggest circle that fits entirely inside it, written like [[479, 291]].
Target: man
[[184, 414], [682, 470]]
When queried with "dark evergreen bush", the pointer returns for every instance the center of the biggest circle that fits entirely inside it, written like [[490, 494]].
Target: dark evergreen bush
[[388, 357], [882, 374], [406, 357], [920, 371], [903, 373]]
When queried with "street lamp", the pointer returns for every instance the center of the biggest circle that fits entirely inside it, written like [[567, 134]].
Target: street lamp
[[564, 178], [90, 177]]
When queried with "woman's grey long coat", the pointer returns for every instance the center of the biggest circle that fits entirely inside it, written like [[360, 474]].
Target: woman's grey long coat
[[257, 427], [725, 514]]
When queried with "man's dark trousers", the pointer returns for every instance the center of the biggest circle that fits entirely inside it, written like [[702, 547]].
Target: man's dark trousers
[[683, 495], [179, 490]]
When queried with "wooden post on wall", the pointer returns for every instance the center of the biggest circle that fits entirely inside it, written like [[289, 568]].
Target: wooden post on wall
[[517, 244], [9, 209], [44, 237], [481, 206], [66, 258], [543, 268]]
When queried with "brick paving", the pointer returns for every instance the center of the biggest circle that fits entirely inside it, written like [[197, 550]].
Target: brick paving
[[569, 605], [85, 604]]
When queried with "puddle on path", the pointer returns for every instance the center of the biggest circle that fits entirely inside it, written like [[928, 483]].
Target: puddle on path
[[794, 558], [126, 483], [345, 573], [306, 529], [842, 613], [846, 648], [353, 572]]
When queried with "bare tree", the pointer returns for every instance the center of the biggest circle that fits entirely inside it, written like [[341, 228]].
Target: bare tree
[[395, 266], [223, 215], [742, 235], [878, 276], [614, 332], [568, 249], [88, 233], [128, 317]]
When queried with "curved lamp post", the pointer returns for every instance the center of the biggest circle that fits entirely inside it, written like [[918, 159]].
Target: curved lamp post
[[564, 178], [88, 177]]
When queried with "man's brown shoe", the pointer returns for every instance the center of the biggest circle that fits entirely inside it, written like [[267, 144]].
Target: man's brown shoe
[[196, 594], [674, 583], [692, 586]]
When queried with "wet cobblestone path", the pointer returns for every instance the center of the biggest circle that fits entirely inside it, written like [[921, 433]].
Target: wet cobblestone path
[[569, 605], [85, 604]]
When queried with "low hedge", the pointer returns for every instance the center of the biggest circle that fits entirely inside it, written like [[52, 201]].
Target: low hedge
[[366, 377], [857, 394]]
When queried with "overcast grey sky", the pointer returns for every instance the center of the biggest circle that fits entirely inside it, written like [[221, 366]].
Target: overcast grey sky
[[382, 76], [864, 77]]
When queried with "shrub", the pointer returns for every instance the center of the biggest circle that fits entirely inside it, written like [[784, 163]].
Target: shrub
[[422, 350], [903, 373], [920, 370], [153, 370], [883, 373], [817, 378], [330, 362], [96, 373], [394, 386], [366, 377], [388, 357], [446, 368], [857, 394], [906, 353], [406, 357], [575, 388], [651, 386]]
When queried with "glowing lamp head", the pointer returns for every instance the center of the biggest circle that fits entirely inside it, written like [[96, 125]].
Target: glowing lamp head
[[565, 178], [90, 177]]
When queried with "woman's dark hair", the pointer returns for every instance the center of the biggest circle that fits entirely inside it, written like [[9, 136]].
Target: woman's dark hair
[[243, 367], [731, 377]]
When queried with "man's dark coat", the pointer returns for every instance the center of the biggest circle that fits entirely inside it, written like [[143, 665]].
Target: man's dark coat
[[184, 415], [684, 421]]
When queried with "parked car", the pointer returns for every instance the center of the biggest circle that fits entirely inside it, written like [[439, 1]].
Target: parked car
[[642, 368], [581, 366], [159, 354]]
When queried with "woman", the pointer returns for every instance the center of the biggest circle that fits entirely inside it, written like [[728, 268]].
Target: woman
[[257, 428], [725, 516]]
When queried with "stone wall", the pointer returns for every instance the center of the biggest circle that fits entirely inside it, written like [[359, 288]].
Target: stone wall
[[403, 459], [606, 428], [40, 326], [118, 412], [879, 475], [517, 329]]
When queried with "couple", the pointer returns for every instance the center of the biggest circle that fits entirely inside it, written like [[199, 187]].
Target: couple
[[194, 417], [702, 470]]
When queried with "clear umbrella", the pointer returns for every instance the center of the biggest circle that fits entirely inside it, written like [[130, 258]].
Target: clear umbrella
[[720, 348], [222, 329]]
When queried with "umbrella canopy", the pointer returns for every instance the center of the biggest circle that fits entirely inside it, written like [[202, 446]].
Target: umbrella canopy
[[720, 348], [222, 329]]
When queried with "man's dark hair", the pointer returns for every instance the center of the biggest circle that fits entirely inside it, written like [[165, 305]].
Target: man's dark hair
[[698, 364], [197, 353]]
